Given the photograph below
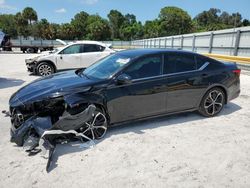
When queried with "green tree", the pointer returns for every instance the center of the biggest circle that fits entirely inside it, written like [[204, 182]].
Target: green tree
[[98, 28], [22, 25], [79, 25], [131, 29], [213, 20], [152, 29], [246, 22], [206, 18], [116, 20], [225, 18], [8, 25], [29, 14], [236, 20], [55, 28], [43, 29], [129, 19], [66, 32], [174, 20]]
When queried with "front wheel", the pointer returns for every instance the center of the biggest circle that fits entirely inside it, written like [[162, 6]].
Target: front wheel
[[45, 69], [212, 102], [95, 128]]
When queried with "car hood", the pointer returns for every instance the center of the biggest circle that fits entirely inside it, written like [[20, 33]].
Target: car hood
[[52, 86], [37, 58]]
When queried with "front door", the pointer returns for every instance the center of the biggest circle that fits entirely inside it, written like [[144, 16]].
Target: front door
[[144, 96], [70, 57]]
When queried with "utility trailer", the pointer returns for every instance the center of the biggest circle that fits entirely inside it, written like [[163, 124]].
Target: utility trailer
[[29, 46]]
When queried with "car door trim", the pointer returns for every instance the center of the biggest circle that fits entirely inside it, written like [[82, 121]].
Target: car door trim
[[135, 81], [172, 74]]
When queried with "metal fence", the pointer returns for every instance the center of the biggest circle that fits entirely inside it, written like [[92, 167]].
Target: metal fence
[[234, 42]]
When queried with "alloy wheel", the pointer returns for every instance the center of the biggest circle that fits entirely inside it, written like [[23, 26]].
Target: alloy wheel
[[97, 127], [45, 70], [214, 102]]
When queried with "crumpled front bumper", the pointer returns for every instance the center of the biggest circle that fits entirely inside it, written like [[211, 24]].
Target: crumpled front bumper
[[39, 124], [31, 66]]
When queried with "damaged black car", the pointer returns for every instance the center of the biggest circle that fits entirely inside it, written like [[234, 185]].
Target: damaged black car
[[126, 86]]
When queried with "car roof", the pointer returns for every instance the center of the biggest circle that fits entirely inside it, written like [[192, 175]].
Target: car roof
[[132, 53], [87, 42]]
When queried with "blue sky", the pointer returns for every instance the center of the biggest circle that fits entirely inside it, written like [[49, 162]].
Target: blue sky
[[60, 11]]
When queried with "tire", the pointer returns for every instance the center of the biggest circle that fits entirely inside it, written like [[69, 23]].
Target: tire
[[212, 103], [45, 69], [30, 50], [96, 128]]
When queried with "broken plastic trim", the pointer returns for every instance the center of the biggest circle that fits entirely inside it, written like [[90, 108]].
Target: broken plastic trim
[[39, 131]]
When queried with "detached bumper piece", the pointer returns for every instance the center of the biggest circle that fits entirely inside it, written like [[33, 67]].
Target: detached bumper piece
[[39, 134]]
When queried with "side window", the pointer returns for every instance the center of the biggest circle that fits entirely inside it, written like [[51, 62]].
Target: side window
[[200, 61], [74, 49], [100, 48], [145, 67], [93, 48], [178, 62]]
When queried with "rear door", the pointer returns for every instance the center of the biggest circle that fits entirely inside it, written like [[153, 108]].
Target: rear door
[[145, 96], [92, 53], [185, 81], [70, 57]]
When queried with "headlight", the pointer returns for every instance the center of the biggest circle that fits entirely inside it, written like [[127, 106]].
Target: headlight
[[29, 61]]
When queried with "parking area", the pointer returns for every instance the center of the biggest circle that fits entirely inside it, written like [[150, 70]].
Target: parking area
[[185, 150]]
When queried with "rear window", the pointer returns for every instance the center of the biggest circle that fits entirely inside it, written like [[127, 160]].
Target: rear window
[[201, 60], [93, 48], [179, 62]]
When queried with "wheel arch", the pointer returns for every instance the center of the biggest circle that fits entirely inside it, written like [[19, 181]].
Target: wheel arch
[[87, 99], [104, 109], [224, 89], [49, 62]]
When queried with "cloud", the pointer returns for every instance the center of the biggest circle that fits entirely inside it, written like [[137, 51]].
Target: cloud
[[89, 2], [61, 10], [5, 6]]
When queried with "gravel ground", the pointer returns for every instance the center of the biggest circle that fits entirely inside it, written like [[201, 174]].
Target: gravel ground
[[184, 150]]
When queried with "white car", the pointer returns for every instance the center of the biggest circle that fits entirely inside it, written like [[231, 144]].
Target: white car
[[75, 55]]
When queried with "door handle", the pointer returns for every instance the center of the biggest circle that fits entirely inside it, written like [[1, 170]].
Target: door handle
[[61, 57], [204, 75]]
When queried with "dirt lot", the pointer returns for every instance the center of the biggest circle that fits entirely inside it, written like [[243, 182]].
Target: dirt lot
[[184, 150]]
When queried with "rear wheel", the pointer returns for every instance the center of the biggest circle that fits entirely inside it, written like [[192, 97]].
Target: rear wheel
[[96, 128], [45, 69], [212, 103], [30, 50]]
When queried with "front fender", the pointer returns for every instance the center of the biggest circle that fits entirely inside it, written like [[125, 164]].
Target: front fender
[[77, 100]]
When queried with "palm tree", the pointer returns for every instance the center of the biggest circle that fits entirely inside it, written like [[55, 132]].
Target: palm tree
[[29, 14]]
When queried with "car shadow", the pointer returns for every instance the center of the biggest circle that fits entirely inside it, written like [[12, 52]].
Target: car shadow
[[139, 127], [10, 82]]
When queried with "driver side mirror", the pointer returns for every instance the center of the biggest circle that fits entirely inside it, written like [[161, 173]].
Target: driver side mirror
[[123, 79]]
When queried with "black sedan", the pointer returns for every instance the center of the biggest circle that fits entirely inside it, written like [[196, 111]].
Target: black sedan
[[126, 86]]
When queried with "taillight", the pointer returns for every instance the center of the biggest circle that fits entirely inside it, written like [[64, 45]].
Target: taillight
[[237, 72]]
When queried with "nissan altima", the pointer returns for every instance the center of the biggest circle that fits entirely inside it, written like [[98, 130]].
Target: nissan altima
[[126, 86]]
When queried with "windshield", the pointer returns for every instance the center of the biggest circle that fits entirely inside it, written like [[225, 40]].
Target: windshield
[[107, 67], [54, 51]]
